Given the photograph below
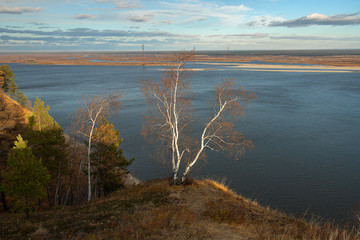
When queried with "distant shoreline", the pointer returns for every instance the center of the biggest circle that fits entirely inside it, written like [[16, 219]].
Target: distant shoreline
[[300, 62], [290, 52]]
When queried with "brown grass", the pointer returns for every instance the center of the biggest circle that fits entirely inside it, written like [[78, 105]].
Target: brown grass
[[15, 107], [13, 121], [127, 59], [204, 209], [271, 224]]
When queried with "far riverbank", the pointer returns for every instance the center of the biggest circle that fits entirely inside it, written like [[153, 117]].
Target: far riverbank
[[335, 58]]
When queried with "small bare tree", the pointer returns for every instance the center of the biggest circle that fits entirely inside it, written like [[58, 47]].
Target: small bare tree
[[86, 120], [169, 118]]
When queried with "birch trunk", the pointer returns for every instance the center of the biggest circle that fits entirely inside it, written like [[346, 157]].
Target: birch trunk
[[89, 163]]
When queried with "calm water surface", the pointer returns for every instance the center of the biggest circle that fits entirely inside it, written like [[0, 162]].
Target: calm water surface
[[305, 127]]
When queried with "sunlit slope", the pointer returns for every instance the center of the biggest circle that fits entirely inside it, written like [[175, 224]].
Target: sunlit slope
[[203, 209]]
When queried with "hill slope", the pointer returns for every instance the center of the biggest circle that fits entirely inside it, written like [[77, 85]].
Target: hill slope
[[156, 210], [13, 120]]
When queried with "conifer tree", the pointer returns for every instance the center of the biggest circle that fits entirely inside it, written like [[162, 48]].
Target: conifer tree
[[25, 177], [10, 87], [41, 117], [12, 123], [110, 165], [48, 143]]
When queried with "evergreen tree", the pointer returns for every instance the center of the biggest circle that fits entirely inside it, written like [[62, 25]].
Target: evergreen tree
[[10, 87], [41, 118], [25, 177], [47, 140], [21, 98], [12, 123], [109, 163]]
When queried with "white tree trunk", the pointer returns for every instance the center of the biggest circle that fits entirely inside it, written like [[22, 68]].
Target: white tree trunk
[[89, 159], [204, 136], [89, 167], [175, 128]]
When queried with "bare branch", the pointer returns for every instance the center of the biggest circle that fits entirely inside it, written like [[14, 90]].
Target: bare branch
[[85, 121], [169, 118]]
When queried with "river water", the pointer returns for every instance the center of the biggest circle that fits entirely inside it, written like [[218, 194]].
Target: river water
[[305, 127]]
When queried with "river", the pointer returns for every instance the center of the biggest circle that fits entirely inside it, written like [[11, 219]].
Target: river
[[305, 127]]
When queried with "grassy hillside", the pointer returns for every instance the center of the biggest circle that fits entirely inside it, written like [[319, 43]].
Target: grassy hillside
[[14, 106], [13, 121], [203, 209]]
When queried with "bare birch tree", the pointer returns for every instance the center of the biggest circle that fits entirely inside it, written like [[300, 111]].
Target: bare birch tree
[[86, 120], [169, 118]]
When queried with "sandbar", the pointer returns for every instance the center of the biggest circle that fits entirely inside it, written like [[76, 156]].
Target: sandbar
[[288, 68], [292, 70]]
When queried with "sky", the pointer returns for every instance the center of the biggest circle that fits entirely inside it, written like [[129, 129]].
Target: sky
[[124, 25]]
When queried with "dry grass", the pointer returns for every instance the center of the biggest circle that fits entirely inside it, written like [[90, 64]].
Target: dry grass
[[271, 224], [140, 212], [13, 121], [15, 106], [204, 209], [158, 59]]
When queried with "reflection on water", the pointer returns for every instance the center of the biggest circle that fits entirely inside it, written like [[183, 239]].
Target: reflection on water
[[305, 127]]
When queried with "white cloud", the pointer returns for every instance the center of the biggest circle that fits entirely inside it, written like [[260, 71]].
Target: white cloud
[[140, 18], [312, 38], [103, 1], [187, 10], [204, 8], [320, 19], [194, 19], [177, 12], [123, 4], [18, 10], [264, 21], [166, 21], [128, 4], [242, 35], [316, 16], [250, 35], [85, 16], [234, 8]]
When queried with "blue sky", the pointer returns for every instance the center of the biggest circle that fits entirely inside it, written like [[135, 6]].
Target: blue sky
[[116, 25]]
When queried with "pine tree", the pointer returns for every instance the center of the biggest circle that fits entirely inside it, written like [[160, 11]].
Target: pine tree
[[12, 123], [21, 98], [10, 87], [47, 140], [25, 177], [109, 163], [41, 117]]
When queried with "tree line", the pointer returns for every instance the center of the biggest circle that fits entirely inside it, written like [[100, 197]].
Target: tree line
[[44, 167], [66, 171]]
